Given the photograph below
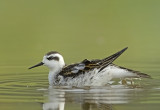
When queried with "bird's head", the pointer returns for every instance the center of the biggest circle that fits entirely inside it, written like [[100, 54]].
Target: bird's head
[[53, 60]]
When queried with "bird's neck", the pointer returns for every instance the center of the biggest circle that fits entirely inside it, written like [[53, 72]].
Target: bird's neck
[[53, 74]]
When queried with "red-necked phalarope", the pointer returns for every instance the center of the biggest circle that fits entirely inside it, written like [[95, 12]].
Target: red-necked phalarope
[[87, 72]]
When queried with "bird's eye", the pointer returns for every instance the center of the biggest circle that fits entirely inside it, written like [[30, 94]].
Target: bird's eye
[[53, 58], [50, 58]]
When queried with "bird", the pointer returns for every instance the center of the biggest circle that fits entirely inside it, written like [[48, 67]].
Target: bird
[[97, 72]]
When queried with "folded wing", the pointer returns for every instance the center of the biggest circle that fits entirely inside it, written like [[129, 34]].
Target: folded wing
[[87, 65]]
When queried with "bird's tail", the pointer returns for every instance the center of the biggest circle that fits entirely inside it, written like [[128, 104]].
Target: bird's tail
[[143, 75], [138, 73]]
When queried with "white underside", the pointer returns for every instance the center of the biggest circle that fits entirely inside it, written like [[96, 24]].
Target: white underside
[[94, 77]]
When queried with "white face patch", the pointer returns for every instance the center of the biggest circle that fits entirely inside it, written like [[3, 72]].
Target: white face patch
[[54, 61]]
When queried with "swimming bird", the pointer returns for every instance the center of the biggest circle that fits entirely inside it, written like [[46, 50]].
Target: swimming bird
[[96, 72]]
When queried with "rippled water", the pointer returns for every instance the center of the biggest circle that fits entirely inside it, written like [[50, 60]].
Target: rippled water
[[30, 91]]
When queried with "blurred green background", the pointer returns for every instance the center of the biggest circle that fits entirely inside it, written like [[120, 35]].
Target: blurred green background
[[78, 30]]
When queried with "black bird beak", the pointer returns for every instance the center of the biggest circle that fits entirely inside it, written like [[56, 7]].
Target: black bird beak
[[39, 64]]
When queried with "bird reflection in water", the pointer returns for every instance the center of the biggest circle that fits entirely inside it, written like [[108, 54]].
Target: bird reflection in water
[[89, 98]]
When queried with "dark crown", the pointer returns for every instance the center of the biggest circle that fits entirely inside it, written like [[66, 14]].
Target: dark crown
[[52, 52]]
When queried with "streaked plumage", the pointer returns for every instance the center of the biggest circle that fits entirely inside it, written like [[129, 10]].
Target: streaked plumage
[[86, 73]]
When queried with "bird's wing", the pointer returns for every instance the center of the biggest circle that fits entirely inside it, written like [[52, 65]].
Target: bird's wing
[[87, 65], [78, 68], [106, 61]]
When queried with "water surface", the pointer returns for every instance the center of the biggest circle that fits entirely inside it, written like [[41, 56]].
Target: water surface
[[31, 91]]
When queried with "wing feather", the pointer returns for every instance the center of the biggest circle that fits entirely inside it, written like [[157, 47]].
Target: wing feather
[[87, 65]]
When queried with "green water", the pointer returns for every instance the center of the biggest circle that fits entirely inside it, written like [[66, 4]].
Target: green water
[[78, 30]]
